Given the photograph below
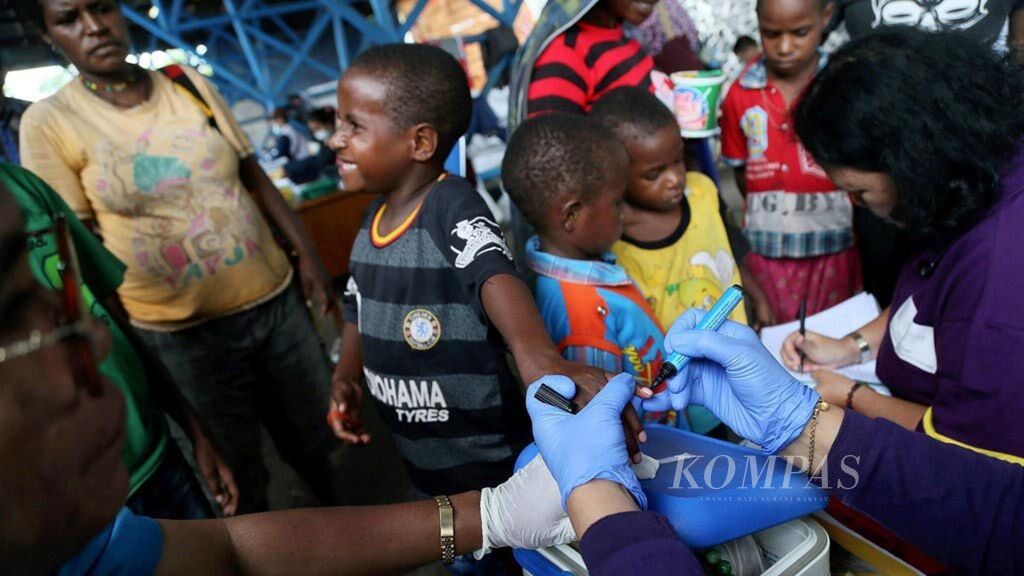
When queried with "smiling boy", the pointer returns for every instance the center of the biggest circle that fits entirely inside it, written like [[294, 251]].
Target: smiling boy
[[433, 299]]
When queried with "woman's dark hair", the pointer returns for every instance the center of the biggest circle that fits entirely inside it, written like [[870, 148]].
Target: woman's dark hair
[[937, 112]]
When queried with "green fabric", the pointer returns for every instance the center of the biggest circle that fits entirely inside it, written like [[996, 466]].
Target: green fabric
[[319, 189], [146, 434]]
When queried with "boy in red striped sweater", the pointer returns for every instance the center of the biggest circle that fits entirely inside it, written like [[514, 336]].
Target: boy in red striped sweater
[[591, 58]]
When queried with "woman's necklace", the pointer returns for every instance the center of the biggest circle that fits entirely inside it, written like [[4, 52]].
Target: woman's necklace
[[112, 88]]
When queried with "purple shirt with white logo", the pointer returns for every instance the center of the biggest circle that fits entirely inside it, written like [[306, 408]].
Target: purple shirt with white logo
[[955, 340]]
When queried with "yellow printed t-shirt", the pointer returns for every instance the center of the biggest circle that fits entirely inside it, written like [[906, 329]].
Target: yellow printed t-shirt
[[691, 268], [163, 186]]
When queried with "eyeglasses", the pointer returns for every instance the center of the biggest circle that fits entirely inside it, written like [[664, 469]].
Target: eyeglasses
[[62, 273]]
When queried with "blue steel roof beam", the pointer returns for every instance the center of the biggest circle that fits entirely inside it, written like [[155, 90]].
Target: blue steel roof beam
[[281, 46], [494, 74], [230, 56], [312, 35], [255, 63], [274, 18], [285, 28], [501, 17], [370, 30], [410, 19], [176, 6], [218, 35], [263, 57], [198, 23], [161, 15], [340, 42], [385, 18], [363, 44], [176, 41]]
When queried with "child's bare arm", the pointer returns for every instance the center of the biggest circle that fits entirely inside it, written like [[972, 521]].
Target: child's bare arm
[[350, 363], [511, 309], [346, 393]]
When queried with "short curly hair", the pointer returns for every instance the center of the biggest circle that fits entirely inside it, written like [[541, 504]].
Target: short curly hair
[[632, 112], [555, 155], [936, 112], [424, 84]]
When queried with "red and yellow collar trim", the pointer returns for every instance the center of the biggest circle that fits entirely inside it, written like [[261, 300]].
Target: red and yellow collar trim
[[382, 240]]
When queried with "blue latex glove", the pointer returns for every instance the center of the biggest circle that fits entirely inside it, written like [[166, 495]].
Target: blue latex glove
[[733, 375], [589, 445]]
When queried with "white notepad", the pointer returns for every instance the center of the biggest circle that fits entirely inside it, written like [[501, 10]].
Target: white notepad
[[836, 322]]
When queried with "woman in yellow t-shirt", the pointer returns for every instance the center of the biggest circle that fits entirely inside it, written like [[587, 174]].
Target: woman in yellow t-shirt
[[169, 181]]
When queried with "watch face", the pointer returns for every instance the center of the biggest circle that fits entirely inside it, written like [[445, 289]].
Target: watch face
[[862, 346]]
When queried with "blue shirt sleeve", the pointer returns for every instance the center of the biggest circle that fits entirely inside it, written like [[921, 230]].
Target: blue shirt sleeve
[[594, 357], [129, 545]]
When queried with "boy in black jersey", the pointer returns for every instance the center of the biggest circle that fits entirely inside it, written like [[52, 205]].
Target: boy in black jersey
[[434, 298]]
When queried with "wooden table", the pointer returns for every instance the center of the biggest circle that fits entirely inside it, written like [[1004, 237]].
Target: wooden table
[[333, 222]]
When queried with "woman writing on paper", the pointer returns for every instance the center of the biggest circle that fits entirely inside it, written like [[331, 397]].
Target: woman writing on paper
[[940, 156]]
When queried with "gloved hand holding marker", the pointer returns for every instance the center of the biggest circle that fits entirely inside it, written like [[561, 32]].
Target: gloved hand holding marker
[[733, 375], [713, 320], [674, 363]]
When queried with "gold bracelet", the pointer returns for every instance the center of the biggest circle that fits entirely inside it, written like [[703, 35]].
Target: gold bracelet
[[819, 407], [446, 514]]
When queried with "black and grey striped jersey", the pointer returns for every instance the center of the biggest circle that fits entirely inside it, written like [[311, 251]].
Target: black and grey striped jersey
[[434, 365]]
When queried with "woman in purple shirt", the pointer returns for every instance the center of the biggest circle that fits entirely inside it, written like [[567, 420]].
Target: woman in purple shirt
[[925, 129], [961, 507]]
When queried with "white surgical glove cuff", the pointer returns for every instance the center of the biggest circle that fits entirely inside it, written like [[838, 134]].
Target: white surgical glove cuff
[[524, 512]]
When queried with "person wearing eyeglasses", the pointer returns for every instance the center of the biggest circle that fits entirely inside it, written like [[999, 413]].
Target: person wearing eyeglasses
[[161, 483]]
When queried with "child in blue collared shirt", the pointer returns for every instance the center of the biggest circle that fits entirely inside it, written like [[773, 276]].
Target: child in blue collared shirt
[[567, 174]]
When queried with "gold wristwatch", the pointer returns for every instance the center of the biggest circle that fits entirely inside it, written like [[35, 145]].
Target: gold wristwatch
[[447, 516]]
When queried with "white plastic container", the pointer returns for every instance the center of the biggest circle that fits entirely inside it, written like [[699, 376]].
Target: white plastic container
[[797, 548]]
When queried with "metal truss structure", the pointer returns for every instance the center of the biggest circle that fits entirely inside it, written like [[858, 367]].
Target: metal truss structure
[[262, 49]]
